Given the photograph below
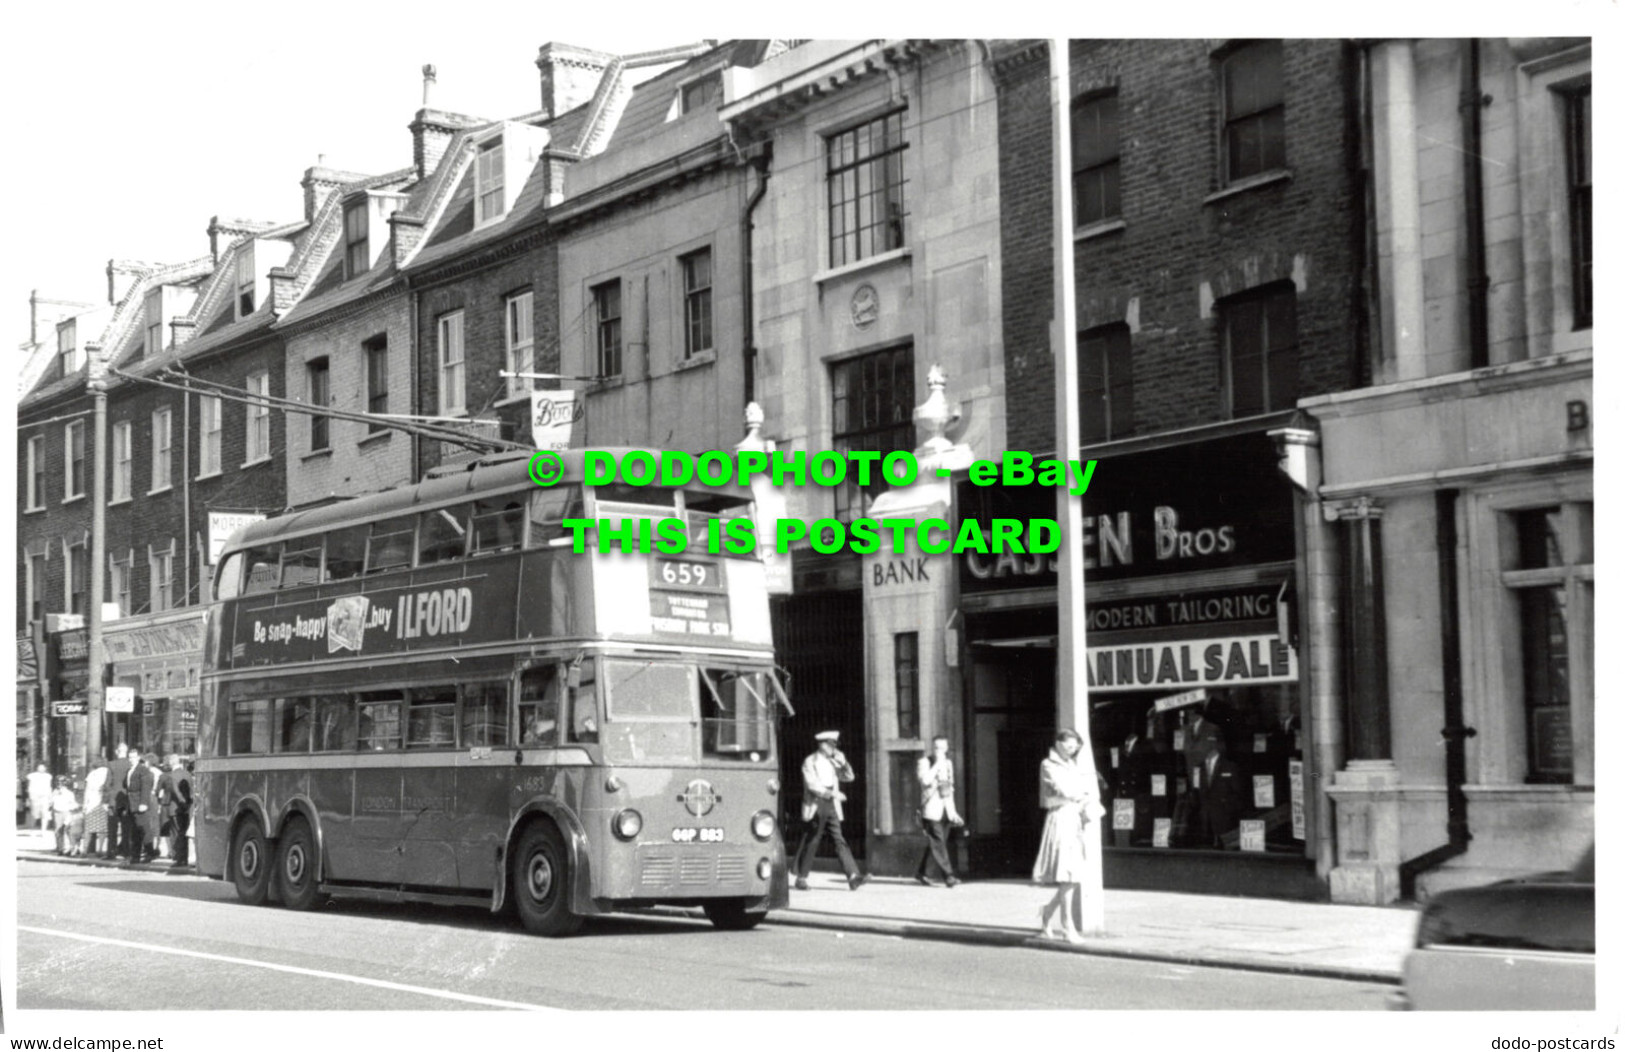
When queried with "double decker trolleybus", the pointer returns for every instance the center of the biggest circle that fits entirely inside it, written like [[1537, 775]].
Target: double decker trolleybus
[[426, 694]]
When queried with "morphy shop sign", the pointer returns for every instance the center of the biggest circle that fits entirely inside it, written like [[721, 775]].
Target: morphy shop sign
[[1201, 506], [386, 621]]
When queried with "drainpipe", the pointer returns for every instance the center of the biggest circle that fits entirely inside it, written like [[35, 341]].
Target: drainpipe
[[761, 162], [1454, 732], [187, 535], [1364, 369], [1473, 101]]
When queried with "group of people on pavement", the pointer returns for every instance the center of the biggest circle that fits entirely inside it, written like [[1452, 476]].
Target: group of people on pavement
[[133, 807], [1069, 853]]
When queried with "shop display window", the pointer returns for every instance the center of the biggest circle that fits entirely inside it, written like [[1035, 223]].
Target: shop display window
[[1217, 770]]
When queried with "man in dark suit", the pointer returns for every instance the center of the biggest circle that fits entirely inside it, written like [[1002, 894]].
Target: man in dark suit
[[1223, 796], [143, 784], [1136, 762], [118, 803]]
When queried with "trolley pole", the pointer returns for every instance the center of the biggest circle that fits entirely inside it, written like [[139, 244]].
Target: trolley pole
[[95, 658], [1071, 680]]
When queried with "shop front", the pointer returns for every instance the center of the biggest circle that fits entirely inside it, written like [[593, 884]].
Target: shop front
[[1192, 664], [158, 658]]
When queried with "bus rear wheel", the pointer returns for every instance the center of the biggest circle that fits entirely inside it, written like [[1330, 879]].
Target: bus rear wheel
[[251, 862], [732, 916], [296, 868], [541, 883]]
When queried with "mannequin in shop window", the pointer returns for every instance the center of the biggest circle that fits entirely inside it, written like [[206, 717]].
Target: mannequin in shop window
[[1147, 765], [1222, 792]]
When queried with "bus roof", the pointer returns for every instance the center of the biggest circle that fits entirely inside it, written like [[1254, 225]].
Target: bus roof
[[494, 473]]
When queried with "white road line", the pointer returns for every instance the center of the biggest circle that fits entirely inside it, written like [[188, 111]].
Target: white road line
[[448, 995]]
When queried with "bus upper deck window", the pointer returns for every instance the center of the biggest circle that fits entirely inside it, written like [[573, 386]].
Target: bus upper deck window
[[346, 553], [443, 535], [550, 507], [228, 580], [390, 545], [498, 525], [302, 562], [263, 568]]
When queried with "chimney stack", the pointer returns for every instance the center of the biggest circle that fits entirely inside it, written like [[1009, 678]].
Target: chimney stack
[[570, 75]]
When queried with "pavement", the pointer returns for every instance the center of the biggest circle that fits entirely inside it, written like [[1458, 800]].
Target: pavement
[[1364, 943]]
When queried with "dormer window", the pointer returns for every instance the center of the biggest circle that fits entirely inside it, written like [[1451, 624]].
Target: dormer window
[[245, 280], [155, 322], [706, 91], [490, 201], [67, 346], [356, 257]]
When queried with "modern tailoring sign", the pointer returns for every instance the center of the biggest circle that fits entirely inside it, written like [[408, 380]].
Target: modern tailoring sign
[[385, 621], [1226, 661], [1201, 506]]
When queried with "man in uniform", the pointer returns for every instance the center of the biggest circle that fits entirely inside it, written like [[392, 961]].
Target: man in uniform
[[822, 774]]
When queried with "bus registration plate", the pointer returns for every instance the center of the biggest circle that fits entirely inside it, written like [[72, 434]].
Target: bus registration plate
[[702, 835]]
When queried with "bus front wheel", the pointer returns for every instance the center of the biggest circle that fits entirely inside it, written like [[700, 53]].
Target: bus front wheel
[[296, 869], [541, 882], [732, 916], [251, 862]]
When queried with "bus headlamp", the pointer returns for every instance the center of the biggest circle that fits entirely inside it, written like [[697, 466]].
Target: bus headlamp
[[764, 869], [627, 824], [762, 825]]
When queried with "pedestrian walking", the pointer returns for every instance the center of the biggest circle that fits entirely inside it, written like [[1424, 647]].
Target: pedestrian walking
[[1069, 854], [181, 780], [39, 796], [822, 774], [937, 814], [95, 810]]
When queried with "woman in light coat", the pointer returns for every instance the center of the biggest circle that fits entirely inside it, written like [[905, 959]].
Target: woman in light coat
[[1069, 854]]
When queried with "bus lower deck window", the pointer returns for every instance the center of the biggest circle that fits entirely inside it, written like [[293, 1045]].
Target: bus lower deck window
[[429, 717], [485, 714], [378, 725]]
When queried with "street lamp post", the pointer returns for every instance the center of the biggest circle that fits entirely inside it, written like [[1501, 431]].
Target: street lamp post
[[95, 657], [1072, 684]]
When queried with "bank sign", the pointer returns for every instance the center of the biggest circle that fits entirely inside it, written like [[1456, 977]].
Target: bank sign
[[1203, 506], [385, 621]]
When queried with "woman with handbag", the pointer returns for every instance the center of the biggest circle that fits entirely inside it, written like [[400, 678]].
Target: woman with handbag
[[1069, 854]]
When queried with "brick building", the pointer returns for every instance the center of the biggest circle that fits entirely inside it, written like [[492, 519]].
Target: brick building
[[484, 274], [1218, 242], [652, 252], [348, 338]]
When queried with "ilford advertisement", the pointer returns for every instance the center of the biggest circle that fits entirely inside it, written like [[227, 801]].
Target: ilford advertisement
[[387, 621]]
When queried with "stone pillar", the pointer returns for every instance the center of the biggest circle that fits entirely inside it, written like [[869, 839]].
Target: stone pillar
[[1398, 198], [1366, 790], [1366, 637], [909, 591]]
